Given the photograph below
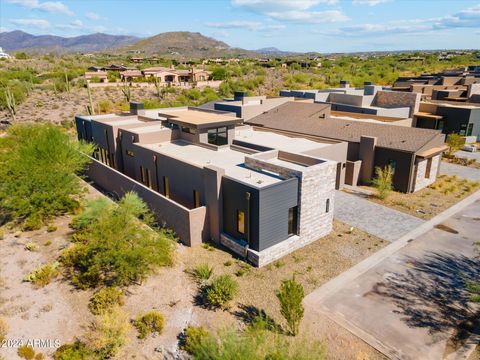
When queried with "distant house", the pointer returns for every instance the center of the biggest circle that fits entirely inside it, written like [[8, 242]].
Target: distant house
[[172, 75], [96, 76], [112, 67], [129, 75], [4, 55]]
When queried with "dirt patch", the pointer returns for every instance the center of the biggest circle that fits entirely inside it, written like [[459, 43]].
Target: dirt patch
[[431, 201]]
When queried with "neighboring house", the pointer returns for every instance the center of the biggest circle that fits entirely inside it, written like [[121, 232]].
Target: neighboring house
[[371, 99], [99, 76], [413, 153], [112, 67], [4, 55], [129, 75], [172, 75], [261, 193], [449, 117]]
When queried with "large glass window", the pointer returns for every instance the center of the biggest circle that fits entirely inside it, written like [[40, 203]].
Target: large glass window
[[241, 222], [469, 129], [293, 221], [196, 199], [392, 164], [218, 136]]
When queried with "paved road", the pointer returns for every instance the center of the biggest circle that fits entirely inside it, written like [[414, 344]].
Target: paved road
[[411, 302], [461, 171], [378, 220], [468, 155]]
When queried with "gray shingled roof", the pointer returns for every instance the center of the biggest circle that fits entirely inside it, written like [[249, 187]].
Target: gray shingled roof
[[304, 118]]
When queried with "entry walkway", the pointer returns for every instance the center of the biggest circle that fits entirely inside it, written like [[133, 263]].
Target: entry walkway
[[409, 300], [386, 223]]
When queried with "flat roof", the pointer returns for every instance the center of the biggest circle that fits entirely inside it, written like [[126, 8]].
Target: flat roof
[[147, 128], [277, 141], [199, 117], [226, 158]]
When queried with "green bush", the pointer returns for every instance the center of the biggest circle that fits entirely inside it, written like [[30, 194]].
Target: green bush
[[221, 291], [3, 329], [75, 351], [51, 228], [21, 56], [151, 322], [38, 167], [90, 214], [116, 249], [290, 297], [455, 142], [193, 338], [104, 299], [383, 181], [31, 246], [203, 272], [43, 275]]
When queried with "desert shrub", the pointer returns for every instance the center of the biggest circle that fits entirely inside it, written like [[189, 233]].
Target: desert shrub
[[26, 352], [149, 323], [90, 214], [383, 181], [104, 299], [51, 228], [105, 106], [117, 249], [38, 167], [31, 246], [43, 275], [3, 329], [2, 233], [21, 56], [75, 351], [221, 291], [193, 338], [108, 333], [455, 142], [290, 296], [219, 73], [203, 272]]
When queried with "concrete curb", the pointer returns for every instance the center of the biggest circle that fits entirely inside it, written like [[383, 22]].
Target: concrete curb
[[313, 299]]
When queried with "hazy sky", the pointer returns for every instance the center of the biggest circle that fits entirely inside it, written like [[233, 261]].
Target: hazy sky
[[296, 25]]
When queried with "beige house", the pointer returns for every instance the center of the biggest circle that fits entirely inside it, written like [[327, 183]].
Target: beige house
[[172, 75], [92, 75]]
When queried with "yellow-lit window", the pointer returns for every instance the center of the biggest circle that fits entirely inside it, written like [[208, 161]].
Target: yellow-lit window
[[142, 176], [240, 221], [196, 199], [130, 153], [166, 187], [149, 178]]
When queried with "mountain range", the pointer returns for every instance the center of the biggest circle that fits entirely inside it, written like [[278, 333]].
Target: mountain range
[[168, 44]]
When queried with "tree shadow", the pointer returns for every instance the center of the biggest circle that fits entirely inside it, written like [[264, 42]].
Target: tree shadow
[[253, 316], [432, 294]]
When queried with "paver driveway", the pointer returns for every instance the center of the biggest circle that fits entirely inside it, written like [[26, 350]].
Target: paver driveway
[[413, 303], [376, 219]]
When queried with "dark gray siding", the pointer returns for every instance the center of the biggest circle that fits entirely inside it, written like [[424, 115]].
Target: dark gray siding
[[456, 119], [234, 198], [401, 177], [84, 129], [275, 201], [232, 108]]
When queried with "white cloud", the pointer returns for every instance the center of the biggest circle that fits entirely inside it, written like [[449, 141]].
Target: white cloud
[[369, 2], [38, 23], [292, 10], [241, 24], [92, 16], [49, 6], [74, 25], [468, 18]]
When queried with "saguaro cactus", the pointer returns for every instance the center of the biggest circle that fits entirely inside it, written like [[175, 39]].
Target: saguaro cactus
[[90, 109], [67, 83], [10, 102], [126, 91]]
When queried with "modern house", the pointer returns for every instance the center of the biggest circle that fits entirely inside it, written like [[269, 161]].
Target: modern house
[[450, 117], [371, 99], [261, 193], [414, 154]]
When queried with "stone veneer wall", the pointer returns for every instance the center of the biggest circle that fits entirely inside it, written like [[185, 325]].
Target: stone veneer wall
[[389, 99], [420, 180], [316, 185]]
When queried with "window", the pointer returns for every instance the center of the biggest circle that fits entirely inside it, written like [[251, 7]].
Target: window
[[440, 125], [428, 168], [142, 176], [292, 221], [130, 153], [392, 164], [166, 187], [241, 222], [469, 129], [218, 136], [188, 130], [196, 199], [149, 178], [327, 206]]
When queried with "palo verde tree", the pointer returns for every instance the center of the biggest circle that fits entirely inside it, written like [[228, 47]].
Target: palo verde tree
[[38, 173], [383, 181], [290, 296]]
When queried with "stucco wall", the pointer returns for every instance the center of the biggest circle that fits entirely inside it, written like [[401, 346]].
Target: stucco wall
[[190, 225]]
